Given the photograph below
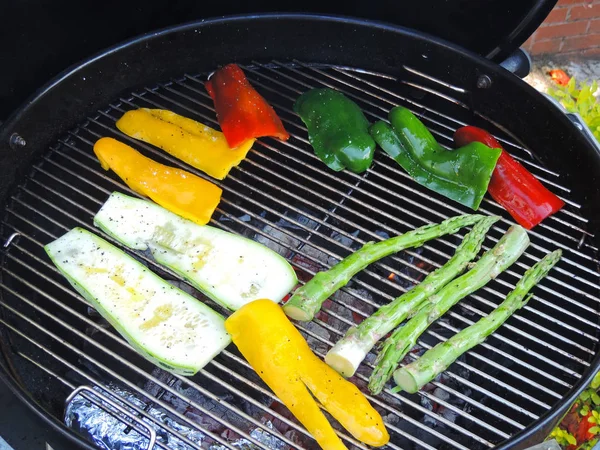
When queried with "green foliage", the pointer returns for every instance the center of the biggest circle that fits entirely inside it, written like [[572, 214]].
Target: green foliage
[[588, 408], [582, 102], [563, 437]]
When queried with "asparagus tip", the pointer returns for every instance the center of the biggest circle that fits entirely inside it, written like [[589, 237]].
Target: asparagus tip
[[405, 381]]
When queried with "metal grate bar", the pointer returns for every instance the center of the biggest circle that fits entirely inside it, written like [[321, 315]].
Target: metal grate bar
[[83, 224], [232, 217], [81, 138], [121, 341], [404, 99], [65, 227], [89, 322], [343, 211], [389, 297], [362, 89], [392, 230], [381, 108], [362, 229], [318, 169]]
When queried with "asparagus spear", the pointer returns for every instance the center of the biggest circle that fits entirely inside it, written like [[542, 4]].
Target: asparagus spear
[[415, 375], [348, 352], [507, 250], [307, 300]]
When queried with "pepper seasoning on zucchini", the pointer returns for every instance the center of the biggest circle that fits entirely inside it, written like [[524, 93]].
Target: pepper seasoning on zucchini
[[282, 358], [462, 175], [337, 129], [164, 324], [192, 142], [230, 269]]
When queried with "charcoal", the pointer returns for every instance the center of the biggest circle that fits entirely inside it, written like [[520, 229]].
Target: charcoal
[[287, 242]]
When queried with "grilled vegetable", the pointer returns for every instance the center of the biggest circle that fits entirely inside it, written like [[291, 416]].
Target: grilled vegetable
[[346, 355], [178, 191], [242, 112], [512, 185], [461, 175], [229, 269], [337, 129], [190, 141], [493, 262], [307, 300], [167, 326], [283, 359], [417, 374]]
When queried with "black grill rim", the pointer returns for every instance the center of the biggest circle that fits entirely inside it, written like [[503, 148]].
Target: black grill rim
[[68, 89], [40, 412]]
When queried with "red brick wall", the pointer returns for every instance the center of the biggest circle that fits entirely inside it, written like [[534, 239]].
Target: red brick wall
[[573, 26]]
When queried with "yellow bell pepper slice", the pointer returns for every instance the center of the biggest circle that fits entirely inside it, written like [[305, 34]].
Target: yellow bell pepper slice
[[190, 141], [280, 355], [180, 192]]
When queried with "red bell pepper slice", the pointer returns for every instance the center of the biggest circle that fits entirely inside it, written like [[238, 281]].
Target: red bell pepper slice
[[242, 112], [512, 185]]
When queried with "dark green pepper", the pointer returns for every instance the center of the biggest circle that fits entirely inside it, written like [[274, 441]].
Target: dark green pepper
[[462, 175], [337, 129]]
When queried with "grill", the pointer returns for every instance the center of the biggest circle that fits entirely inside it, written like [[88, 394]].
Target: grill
[[285, 198]]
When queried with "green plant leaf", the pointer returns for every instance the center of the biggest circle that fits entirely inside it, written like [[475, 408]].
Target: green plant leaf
[[570, 439], [594, 430], [596, 398]]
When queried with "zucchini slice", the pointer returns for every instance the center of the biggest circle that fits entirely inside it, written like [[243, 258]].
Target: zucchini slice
[[230, 269], [166, 325]]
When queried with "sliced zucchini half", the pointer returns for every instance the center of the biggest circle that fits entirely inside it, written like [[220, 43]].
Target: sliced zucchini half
[[167, 326], [230, 269]]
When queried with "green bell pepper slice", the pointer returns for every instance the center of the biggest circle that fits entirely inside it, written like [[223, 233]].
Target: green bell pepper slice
[[337, 129], [462, 175]]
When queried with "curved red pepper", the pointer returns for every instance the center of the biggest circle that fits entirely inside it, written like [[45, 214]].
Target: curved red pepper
[[512, 185], [242, 112]]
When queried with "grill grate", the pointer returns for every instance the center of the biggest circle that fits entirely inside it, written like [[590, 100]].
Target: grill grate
[[284, 197]]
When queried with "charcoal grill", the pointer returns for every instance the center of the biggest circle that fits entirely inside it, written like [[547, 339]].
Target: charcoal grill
[[506, 392]]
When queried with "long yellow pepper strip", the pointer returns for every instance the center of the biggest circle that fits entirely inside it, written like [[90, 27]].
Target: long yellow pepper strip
[[283, 359], [181, 192], [190, 141]]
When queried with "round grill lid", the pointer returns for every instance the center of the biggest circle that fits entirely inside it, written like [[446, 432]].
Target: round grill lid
[[40, 42], [491, 28]]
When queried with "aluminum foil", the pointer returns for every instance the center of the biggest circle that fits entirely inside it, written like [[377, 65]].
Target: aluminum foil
[[107, 432]]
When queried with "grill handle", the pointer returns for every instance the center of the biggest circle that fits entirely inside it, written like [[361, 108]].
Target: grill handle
[[518, 62], [85, 392], [579, 123]]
